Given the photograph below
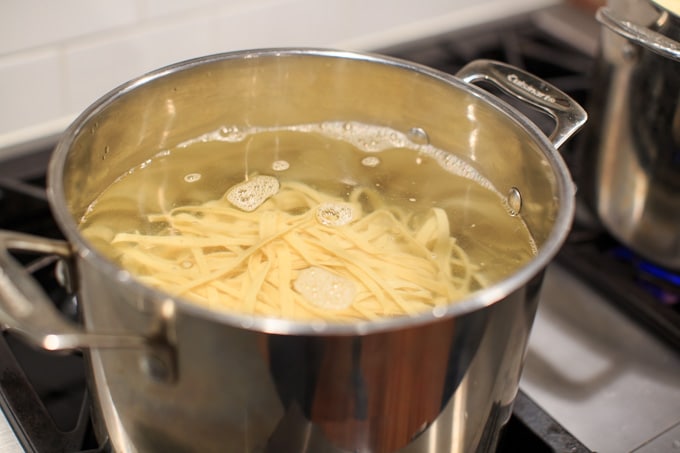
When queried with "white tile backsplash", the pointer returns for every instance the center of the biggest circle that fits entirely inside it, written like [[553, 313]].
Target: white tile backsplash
[[30, 89], [163, 8], [285, 24], [57, 57], [26, 24], [92, 69]]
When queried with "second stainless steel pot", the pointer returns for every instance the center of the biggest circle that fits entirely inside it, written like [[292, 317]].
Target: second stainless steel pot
[[635, 130], [169, 375]]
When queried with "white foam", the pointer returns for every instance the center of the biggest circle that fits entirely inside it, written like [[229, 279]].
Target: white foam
[[370, 161], [366, 137], [192, 177], [280, 165], [325, 289], [250, 194], [334, 214]]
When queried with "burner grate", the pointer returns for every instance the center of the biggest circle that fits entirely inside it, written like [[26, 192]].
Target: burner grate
[[42, 394], [48, 411]]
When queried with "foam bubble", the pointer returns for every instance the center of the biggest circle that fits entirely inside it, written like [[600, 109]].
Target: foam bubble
[[232, 134], [192, 177], [334, 214], [370, 161], [366, 137], [249, 195], [325, 289], [280, 165]]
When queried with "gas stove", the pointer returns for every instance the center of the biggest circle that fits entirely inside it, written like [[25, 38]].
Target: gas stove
[[604, 357]]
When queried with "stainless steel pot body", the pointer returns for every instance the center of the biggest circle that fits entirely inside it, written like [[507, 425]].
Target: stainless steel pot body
[[635, 130], [169, 375]]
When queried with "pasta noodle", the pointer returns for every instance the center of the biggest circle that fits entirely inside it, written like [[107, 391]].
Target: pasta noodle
[[354, 226], [303, 254]]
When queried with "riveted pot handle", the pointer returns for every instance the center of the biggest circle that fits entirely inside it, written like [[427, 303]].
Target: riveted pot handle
[[569, 116], [26, 309]]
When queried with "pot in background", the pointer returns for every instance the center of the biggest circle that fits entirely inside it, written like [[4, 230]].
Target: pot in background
[[169, 375], [635, 128]]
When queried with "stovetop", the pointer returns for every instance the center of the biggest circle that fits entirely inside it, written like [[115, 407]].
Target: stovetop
[[602, 356]]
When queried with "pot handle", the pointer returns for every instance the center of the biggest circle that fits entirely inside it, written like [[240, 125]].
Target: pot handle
[[643, 36], [569, 116], [25, 308]]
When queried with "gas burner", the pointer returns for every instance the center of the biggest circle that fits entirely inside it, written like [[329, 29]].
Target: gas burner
[[646, 292], [662, 284]]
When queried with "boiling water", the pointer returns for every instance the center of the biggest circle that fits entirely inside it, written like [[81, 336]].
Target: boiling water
[[247, 165]]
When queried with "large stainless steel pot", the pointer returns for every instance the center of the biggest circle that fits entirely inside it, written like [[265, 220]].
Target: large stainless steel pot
[[635, 128], [169, 375]]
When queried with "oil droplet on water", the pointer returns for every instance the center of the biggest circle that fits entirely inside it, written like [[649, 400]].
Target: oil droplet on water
[[325, 289], [249, 195], [192, 177], [334, 214], [370, 161], [280, 165]]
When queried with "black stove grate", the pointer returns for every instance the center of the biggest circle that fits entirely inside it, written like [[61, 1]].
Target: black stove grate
[[521, 42], [45, 399], [43, 394]]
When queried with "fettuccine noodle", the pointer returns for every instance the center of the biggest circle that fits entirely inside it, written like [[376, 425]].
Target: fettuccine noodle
[[390, 261]]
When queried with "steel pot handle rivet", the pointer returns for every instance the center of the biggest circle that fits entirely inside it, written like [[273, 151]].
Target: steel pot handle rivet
[[159, 364], [569, 116], [514, 200]]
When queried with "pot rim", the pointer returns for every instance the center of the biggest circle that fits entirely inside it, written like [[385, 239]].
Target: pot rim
[[475, 301]]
